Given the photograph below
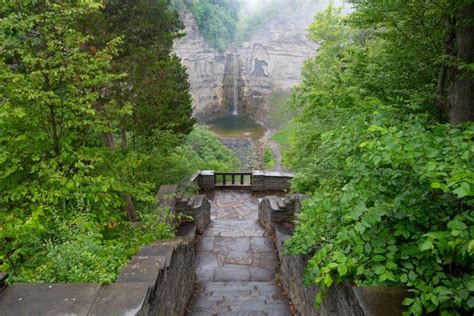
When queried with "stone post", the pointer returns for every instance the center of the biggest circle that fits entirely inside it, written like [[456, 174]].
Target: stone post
[[258, 180], [206, 180]]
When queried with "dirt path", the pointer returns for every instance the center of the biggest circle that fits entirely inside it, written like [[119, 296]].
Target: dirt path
[[275, 147]]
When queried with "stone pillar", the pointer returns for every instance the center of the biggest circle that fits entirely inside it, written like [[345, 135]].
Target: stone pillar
[[273, 210], [258, 180], [206, 180], [198, 207]]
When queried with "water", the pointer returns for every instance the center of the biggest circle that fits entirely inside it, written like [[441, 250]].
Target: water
[[235, 101], [237, 126]]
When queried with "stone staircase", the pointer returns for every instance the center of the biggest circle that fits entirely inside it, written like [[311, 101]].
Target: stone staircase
[[236, 263]]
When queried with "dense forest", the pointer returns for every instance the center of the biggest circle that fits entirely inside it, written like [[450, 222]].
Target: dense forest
[[382, 144], [95, 115]]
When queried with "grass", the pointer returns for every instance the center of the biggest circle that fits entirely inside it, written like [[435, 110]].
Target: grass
[[268, 159]]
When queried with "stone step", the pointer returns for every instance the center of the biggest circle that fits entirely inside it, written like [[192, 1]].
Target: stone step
[[239, 298], [222, 228], [267, 312]]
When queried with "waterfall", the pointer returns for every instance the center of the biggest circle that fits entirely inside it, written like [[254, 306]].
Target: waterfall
[[235, 101]]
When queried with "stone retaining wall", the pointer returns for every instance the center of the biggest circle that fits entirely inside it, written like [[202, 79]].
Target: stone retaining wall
[[159, 280], [261, 181], [275, 215], [196, 207]]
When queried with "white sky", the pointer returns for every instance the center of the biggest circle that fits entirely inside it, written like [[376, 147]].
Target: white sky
[[251, 5]]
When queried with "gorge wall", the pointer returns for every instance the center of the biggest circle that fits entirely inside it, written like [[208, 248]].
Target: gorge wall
[[206, 68], [269, 62]]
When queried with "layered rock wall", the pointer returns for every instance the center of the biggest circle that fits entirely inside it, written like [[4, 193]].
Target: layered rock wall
[[271, 61], [206, 69]]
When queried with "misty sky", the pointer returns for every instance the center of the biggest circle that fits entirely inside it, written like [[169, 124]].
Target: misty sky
[[252, 5]]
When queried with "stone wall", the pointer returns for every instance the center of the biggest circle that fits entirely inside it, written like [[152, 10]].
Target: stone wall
[[198, 207], [159, 280], [261, 181], [271, 181], [275, 214]]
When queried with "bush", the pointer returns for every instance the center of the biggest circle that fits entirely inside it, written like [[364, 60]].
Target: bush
[[268, 159], [390, 190]]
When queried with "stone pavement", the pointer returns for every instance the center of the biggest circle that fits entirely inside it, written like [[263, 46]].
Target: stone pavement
[[236, 262]]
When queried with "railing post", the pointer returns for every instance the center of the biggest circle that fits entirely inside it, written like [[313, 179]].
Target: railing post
[[207, 181], [257, 181]]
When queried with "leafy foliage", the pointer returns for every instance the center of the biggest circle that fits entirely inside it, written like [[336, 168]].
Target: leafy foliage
[[217, 19], [268, 159], [76, 78], [390, 190]]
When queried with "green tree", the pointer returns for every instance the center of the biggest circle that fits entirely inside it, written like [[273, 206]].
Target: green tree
[[389, 187], [436, 34], [50, 129], [217, 19]]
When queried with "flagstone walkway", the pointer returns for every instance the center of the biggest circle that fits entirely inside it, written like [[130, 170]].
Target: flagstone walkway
[[236, 262]]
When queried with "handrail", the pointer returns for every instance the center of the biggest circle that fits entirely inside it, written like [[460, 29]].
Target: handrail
[[244, 179]]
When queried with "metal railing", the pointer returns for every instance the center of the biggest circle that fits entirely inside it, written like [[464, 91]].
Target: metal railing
[[233, 179]]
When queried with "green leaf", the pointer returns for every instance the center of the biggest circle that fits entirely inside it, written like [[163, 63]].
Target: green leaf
[[457, 225], [470, 302], [378, 258], [342, 270], [404, 278], [368, 248], [379, 269], [427, 245], [408, 301], [463, 190]]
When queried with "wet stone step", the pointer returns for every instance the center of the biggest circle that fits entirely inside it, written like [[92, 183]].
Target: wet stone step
[[259, 313], [224, 297], [234, 229]]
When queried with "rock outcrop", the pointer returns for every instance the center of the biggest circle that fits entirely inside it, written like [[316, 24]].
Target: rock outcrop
[[272, 60], [206, 68]]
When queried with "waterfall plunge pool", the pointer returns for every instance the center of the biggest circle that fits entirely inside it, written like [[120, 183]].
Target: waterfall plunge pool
[[237, 126]]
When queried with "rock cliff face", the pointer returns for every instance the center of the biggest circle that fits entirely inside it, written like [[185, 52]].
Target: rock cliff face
[[270, 61], [206, 69]]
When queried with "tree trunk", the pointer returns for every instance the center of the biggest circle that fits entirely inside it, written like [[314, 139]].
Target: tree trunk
[[441, 89], [123, 136], [129, 207], [449, 44], [462, 109]]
